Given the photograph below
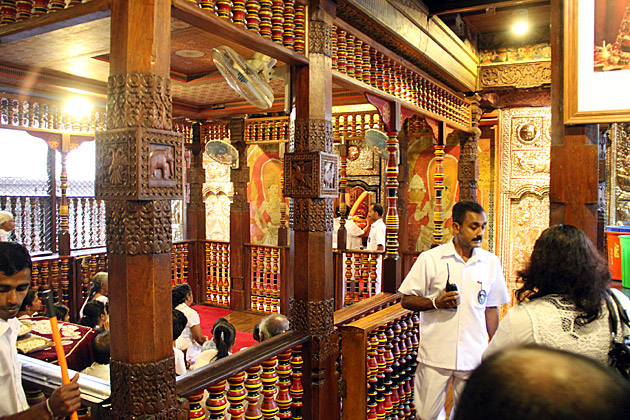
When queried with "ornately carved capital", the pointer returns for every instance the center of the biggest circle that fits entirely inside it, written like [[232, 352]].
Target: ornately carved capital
[[139, 100], [312, 214], [313, 135], [130, 399], [311, 174], [138, 227], [320, 38], [316, 318], [519, 75]]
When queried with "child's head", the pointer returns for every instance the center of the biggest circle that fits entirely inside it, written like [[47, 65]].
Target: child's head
[[62, 312], [179, 323], [223, 334]]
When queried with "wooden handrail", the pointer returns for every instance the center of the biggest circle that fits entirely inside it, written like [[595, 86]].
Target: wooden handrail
[[200, 379], [264, 245], [352, 313]]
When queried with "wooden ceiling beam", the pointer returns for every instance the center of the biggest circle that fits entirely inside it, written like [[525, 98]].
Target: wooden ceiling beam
[[451, 7]]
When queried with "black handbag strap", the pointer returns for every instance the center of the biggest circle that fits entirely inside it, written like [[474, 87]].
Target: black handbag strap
[[615, 312], [623, 314]]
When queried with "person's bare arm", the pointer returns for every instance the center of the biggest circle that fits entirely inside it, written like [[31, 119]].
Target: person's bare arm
[[447, 300], [197, 335], [64, 401], [492, 320]]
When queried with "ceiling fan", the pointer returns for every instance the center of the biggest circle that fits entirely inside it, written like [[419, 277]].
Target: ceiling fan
[[222, 152]]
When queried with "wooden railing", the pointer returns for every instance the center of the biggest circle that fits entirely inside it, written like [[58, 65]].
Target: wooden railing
[[218, 283], [267, 268], [378, 364], [356, 272], [277, 391]]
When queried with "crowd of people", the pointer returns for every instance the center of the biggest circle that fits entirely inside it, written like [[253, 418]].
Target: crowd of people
[[547, 358]]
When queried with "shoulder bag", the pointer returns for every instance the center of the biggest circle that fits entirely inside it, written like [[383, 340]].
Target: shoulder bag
[[619, 354]]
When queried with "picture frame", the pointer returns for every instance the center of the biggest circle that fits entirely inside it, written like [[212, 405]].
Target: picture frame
[[590, 69]]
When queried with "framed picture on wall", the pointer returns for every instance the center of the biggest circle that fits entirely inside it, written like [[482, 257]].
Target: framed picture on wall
[[596, 61]]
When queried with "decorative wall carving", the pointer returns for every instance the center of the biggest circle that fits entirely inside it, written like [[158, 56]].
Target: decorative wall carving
[[320, 38], [520, 75], [139, 100], [138, 227], [468, 167], [312, 214], [316, 318], [139, 164], [311, 174], [618, 170], [523, 188], [313, 135], [130, 399]]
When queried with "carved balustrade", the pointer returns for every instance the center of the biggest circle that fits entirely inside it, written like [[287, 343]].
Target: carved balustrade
[[380, 366], [353, 125], [218, 284], [267, 130], [355, 275], [86, 220], [262, 381], [360, 61], [179, 262], [33, 216], [16, 112], [214, 130], [267, 268]]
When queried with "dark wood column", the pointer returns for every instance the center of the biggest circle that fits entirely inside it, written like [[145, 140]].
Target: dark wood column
[[311, 179], [574, 167], [468, 167], [239, 221], [196, 218], [138, 170]]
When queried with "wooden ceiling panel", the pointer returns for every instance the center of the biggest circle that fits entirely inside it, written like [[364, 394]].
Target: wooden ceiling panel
[[214, 91]]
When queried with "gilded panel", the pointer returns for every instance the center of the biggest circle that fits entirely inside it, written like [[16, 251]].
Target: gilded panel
[[524, 147], [618, 182]]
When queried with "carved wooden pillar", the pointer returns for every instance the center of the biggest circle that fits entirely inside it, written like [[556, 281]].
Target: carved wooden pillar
[[574, 166], [283, 230], [391, 262], [311, 179], [468, 166], [239, 221], [138, 170], [64, 232], [343, 208], [196, 218]]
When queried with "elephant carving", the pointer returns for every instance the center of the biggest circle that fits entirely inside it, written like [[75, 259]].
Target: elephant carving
[[161, 164]]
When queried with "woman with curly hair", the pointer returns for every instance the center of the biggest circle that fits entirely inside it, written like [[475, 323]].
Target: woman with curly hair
[[562, 298]]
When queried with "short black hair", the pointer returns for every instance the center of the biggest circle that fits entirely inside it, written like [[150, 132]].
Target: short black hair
[[92, 311], [28, 299], [14, 258], [61, 311], [378, 208], [101, 349], [180, 293], [540, 383], [461, 208], [179, 323]]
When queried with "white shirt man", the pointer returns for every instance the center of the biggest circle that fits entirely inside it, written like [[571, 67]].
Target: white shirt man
[[454, 325], [376, 239], [353, 233]]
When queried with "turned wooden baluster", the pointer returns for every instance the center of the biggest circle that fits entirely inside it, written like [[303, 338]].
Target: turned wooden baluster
[[207, 5], [300, 29], [252, 17], [224, 9], [253, 384], [341, 50], [373, 370], [254, 279], [358, 59], [349, 55], [65, 281], [276, 280], [9, 13], [216, 401], [297, 391], [391, 373], [265, 14], [238, 12], [196, 409], [349, 296], [380, 376], [269, 379], [35, 276], [277, 21], [284, 383], [373, 275], [358, 277], [54, 280], [288, 36], [268, 289], [236, 396], [366, 74], [24, 8]]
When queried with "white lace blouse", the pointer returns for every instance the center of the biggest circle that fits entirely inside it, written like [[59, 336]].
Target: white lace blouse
[[551, 321]]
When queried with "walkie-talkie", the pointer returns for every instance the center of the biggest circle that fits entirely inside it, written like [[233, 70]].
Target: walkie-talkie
[[450, 287]]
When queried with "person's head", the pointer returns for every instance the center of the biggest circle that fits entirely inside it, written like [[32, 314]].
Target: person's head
[[7, 222], [62, 312], [179, 323], [256, 332], [31, 303], [93, 314], [15, 278], [469, 224], [543, 384], [375, 212], [223, 335], [99, 285], [564, 261], [273, 325], [182, 293], [100, 350]]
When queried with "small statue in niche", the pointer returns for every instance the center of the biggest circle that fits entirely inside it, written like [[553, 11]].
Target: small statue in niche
[[161, 163], [116, 162]]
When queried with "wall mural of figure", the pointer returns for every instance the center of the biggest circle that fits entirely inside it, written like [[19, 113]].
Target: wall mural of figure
[[263, 193], [421, 195], [217, 193]]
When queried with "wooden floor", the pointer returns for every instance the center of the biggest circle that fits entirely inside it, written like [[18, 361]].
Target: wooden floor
[[244, 321]]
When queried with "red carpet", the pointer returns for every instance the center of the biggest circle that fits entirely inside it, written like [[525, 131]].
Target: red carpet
[[209, 314]]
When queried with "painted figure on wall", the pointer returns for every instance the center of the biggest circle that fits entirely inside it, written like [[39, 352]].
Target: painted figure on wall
[[264, 194], [421, 193]]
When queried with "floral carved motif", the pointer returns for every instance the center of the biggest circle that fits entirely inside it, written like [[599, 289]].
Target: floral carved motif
[[521, 75], [313, 135], [138, 227], [316, 318], [312, 214], [131, 381], [311, 174], [139, 100], [139, 164], [320, 38]]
